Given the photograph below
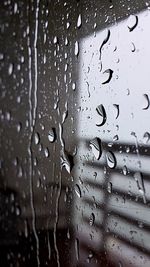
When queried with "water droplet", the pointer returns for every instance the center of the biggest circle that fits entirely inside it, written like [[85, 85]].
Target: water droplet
[[78, 190], [55, 41], [133, 47], [95, 145], [125, 170], [52, 135], [1, 56], [68, 25], [90, 256], [18, 211], [10, 69], [147, 102], [104, 41], [66, 162], [79, 21], [8, 116], [76, 51], [117, 110], [111, 159], [46, 152], [115, 138], [15, 8], [66, 41], [19, 127], [120, 264], [101, 111], [92, 219], [109, 187], [140, 184], [73, 86], [132, 22], [146, 136], [36, 138], [109, 72]]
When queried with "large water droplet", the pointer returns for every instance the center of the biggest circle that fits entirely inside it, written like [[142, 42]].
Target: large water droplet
[[52, 135], [36, 138], [92, 219], [73, 86], [95, 145], [146, 136], [78, 190], [76, 51], [147, 102], [109, 73], [101, 111], [111, 159], [79, 21], [132, 22], [116, 106]]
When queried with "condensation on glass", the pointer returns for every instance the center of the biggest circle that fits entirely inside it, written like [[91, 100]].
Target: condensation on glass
[[74, 133]]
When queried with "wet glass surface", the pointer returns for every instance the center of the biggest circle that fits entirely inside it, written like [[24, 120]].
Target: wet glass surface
[[74, 133]]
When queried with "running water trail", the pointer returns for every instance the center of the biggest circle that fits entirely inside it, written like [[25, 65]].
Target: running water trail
[[56, 220], [32, 121]]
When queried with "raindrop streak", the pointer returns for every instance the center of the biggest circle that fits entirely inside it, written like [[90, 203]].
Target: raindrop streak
[[140, 184], [79, 21], [76, 51], [56, 219], [110, 74], [117, 110], [133, 21], [95, 145], [78, 190], [77, 248], [92, 219], [52, 135], [111, 159], [101, 111], [147, 101], [104, 42], [49, 246], [32, 120]]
